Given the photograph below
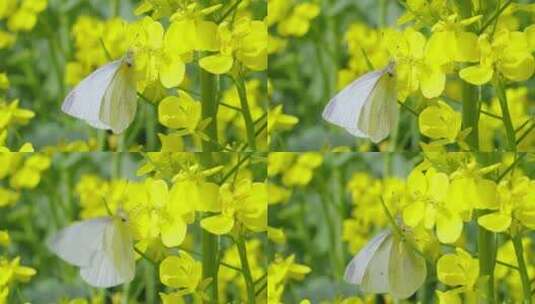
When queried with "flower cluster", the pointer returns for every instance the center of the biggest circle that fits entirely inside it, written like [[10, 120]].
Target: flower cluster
[[20, 172], [11, 115], [166, 210], [222, 41], [19, 16]]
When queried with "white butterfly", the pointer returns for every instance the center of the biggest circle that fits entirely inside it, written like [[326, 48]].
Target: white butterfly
[[101, 247], [387, 264], [367, 107], [107, 98]]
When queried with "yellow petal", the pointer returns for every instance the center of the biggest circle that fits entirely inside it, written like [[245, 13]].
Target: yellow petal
[[477, 74], [217, 64], [413, 213], [449, 227], [487, 197], [467, 47], [496, 222], [218, 224], [438, 49], [172, 73], [174, 233], [517, 66], [206, 36]]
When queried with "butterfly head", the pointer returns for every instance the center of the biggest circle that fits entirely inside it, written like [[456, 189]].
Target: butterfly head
[[122, 215], [129, 58], [391, 68]]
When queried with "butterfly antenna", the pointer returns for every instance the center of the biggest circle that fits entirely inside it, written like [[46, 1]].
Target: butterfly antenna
[[107, 206]]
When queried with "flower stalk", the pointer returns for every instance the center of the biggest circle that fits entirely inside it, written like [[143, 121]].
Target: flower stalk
[[246, 270], [246, 112], [526, 283], [506, 115], [210, 249], [485, 245], [209, 108]]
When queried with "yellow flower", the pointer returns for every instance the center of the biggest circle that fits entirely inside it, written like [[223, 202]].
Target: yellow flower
[[508, 54], [277, 194], [29, 175], [4, 238], [181, 271], [25, 17], [155, 57], [12, 114], [298, 22], [244, 41], [440, 121], [458, 269], [189, 31], [244, 203], [414, 70], [468, 190], [278, 121], [450, 42], [513, 201], [300, 174], [12, 271], [180, 112], [162, 212], [427, 204], [280, 271], [278, 162], [278, 9], [7, 7], [4, 81]]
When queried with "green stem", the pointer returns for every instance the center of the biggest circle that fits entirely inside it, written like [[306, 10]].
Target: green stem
[[470, 115], [150, 127], [116, 7], [383, 12], [116, 165], [507, 121], [249, 125], [121, 143], [231, 9], [486, 250], [526, 284], [210, 249], [150, 283], [209, 108], [246, 270], [101, 140], [470, 94], [495, 16]]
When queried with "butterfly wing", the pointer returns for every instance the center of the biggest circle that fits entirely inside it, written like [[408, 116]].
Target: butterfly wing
[[376, 275], [78, 243], [120, 100], [113, 264], [380, 112], [345, 108], [355, 270], [85, 100], [407, 270]]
